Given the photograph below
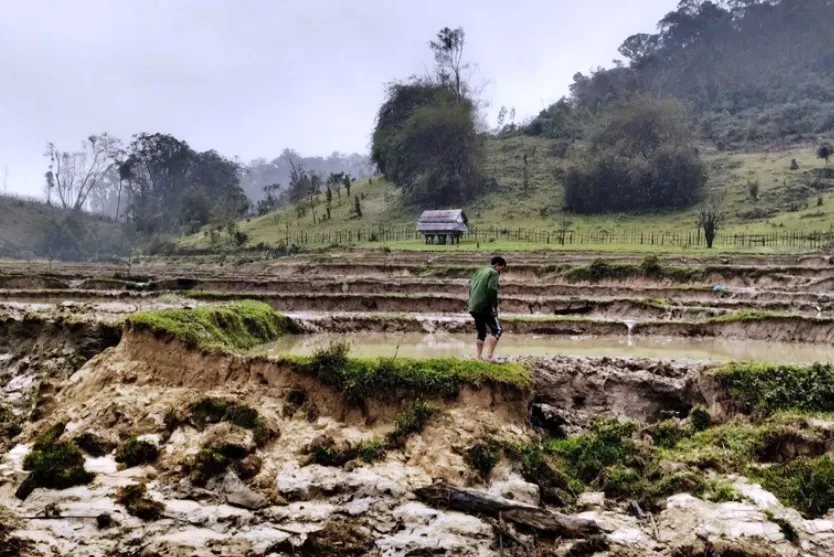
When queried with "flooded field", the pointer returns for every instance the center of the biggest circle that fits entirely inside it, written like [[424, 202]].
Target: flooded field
[[442, 345]]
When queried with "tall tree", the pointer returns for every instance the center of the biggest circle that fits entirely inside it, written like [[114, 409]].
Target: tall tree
[[448, 58], [74, 175]]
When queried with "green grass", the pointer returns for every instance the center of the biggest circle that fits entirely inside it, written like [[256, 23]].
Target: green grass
[[135, 452], [783, 196], [215, 410], [236, 326], [53, 464], [771, 388], [361, 378]]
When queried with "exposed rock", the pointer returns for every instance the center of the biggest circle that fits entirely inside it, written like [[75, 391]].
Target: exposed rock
[[590, 501], [549, 419], [239, 495]]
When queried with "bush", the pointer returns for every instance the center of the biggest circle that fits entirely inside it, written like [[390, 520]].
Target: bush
[[240, 238], [53, 465], [641, 158], [135, 452], [483, 457]]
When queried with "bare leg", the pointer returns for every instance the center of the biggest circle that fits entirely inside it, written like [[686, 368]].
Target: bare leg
[[492, 342], [479, 344]]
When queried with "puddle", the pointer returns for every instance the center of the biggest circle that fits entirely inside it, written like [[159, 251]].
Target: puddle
[[444, 345]]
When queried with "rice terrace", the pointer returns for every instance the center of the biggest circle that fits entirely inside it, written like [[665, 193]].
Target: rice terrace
[[293, 356]]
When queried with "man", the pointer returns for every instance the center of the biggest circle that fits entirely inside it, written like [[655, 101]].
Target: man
[[483, 305]]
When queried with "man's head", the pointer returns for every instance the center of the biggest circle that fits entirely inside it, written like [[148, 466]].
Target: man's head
[[498, 263]]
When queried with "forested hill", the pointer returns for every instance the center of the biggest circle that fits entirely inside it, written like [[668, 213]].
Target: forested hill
[[262, 172], [753, 71]]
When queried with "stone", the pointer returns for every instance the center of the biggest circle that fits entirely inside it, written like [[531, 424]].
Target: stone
[[238, 494], [516, 489], [593, 501], [548, 418]]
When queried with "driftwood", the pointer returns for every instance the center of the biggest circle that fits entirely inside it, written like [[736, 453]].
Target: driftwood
[[503, 531], [443, 496]]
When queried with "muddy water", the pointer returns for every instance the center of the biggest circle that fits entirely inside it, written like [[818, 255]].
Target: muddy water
[[443, 345]]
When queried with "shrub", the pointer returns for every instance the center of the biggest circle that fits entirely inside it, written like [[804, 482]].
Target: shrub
[[53, 465], [135, 500], [483, 457], [135, 452]]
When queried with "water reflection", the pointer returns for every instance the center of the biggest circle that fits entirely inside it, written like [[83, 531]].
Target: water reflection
[[445, 345]]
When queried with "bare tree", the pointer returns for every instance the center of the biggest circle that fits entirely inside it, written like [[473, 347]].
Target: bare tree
[[74, 175], [448, 57], [710, 218]]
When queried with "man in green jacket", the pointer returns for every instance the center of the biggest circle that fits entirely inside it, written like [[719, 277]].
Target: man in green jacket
[[483, 305]]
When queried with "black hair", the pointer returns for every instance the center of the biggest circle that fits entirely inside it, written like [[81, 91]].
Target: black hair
[[498, 260]]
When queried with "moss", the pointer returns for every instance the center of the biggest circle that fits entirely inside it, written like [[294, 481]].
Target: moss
[[93, 445], [212, 461], [699, 418], [650, 268], [622, 482], [236, 326], [483, 457], [135, 500], [608, 443], [687, 481], [750, 315], [785, 527], [215, 410], [372, 450], [363, 378], [770, 388], [537, 467], [668, 433], [806, 484], [53, 465], [135, 452], [721, 492], [409, 423]]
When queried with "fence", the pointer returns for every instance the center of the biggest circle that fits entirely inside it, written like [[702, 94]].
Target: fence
[[383, 234]]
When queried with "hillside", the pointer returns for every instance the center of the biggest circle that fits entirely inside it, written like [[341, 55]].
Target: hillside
[[785, 201], [30, 228], [753, 71]]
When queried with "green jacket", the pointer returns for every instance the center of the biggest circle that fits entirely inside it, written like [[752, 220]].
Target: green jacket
[[483, 291]]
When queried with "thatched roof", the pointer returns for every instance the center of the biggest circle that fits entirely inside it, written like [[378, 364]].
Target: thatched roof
[[452, 220]]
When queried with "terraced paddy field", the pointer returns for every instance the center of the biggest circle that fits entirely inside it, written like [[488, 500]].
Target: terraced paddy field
[[330, 405]]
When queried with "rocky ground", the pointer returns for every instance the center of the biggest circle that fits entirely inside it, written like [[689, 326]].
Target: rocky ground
[[127, 441]]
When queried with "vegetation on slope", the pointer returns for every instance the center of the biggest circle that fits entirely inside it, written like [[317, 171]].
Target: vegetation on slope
[[236, 326], [365, 378]]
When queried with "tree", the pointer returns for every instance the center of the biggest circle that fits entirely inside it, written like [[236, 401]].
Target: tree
[[753, 189], [171, 185], [74, 176], [427, 144], [640, 157], [346, 181], [825, 151], [502, 116], [710, 218], [329, 199], [357, 208], [448, 58]]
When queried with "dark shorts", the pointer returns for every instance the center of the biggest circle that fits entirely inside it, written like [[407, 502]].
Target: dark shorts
[[484, 321]]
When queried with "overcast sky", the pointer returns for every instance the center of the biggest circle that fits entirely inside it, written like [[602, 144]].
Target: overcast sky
[[251, 77]]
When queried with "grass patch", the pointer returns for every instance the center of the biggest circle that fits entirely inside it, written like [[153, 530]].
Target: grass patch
[[215, 410], [771, 388], [135, 500], [53, 464], [749, 316], [93, 445], [483, 457], [325, 452], [236, 326], [363, 378], [650, 268], [410, 423], [135, 452], [214, 460], [806, 484]]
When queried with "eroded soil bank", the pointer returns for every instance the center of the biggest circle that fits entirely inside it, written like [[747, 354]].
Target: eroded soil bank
[[204, 452]]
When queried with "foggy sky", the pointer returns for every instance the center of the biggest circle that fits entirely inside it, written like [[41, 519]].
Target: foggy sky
[[251, 77]]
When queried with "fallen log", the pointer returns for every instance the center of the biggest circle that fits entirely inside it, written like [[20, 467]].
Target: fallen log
[[443, 496]]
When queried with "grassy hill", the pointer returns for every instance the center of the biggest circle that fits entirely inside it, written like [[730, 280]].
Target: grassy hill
[[785, 202], [30, 228]]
